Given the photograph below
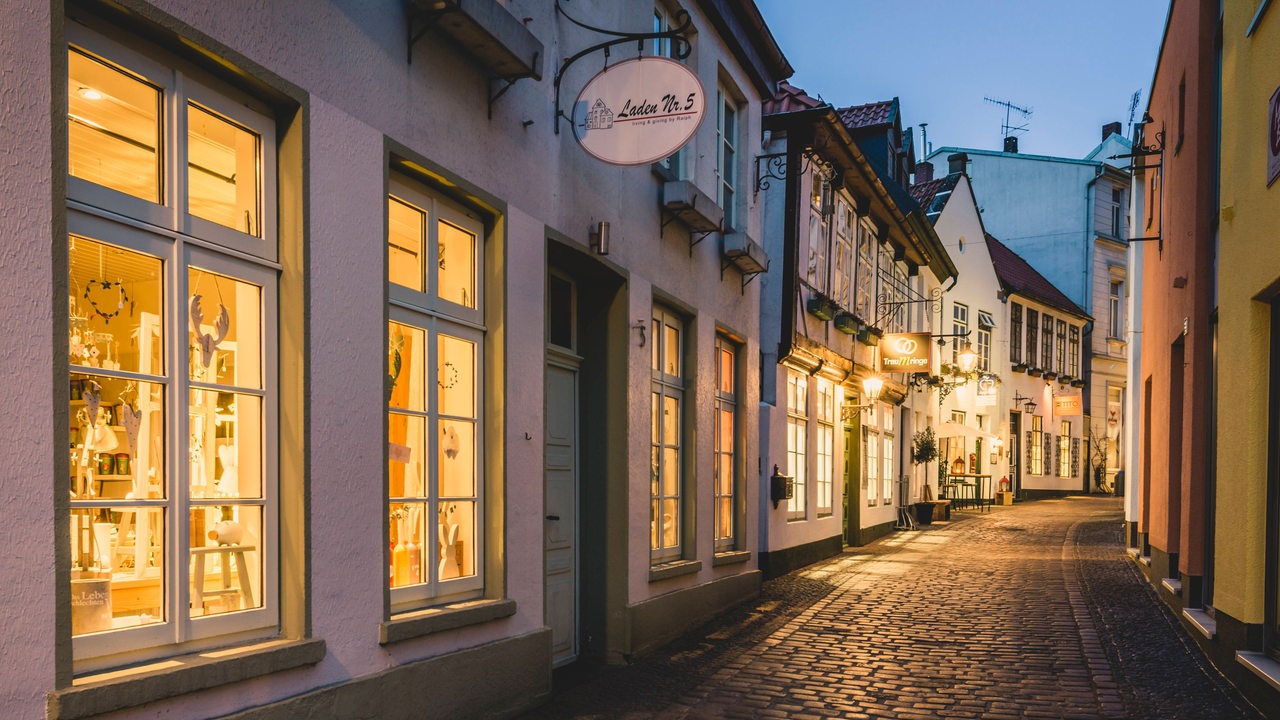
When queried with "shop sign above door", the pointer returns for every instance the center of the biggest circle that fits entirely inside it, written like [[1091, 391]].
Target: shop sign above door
[[1068, 405], [638, 111], [905, 352]]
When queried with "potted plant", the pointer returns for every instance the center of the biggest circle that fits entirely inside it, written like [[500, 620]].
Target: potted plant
[[924, 449], [821, 306], [846, 323]]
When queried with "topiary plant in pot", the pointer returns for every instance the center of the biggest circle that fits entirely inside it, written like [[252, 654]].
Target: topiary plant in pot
[[924, 449]]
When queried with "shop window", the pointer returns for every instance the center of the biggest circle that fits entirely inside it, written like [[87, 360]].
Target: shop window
[[1035, 445], [435, 488], [824, 469], [886, 435], [797, 442], [666, 477], [726, 443], [173, 358], [1064, 450]]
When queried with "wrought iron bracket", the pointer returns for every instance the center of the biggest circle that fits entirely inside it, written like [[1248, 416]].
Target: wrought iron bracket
[[773, 166], [887, 307], [420, 23], [680, 48], [747, 277]]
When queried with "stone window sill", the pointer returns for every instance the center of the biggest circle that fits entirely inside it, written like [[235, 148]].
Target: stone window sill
[[730, 557], [1262, 666], [676, 568], [113, 690], [446, 617], [1201, 621]]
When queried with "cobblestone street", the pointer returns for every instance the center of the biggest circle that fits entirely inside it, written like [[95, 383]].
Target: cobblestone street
[[1029, 611]]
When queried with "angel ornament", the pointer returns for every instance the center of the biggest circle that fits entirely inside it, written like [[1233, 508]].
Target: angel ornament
[[208, 342]]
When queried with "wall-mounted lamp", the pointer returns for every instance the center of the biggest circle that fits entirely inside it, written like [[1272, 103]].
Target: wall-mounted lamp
[[1023, 402], [598, 238], [871, 387], [781, 487], [968, 359]]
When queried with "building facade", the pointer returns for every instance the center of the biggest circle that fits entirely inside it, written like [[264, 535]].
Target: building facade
[[1069, 219], [848, 252], [355, 352]]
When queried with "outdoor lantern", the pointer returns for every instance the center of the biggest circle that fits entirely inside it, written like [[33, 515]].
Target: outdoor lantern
[[968, 358], [1031, 407], [871, 388]]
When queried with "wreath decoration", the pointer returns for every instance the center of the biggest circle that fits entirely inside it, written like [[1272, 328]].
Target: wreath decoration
[[121, 301], [449, 375]]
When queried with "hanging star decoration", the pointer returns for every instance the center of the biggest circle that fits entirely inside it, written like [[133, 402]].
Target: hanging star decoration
[[208, 342]]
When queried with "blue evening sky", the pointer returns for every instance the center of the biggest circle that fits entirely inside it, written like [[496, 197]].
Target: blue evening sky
[[1075, 64]]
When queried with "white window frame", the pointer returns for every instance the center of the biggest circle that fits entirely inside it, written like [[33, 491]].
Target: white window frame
[[959, 328], [1036, 445], [797, 443], [843, 253], [434, 316], [824, 471], [667, 385], [864, 271], [728, 139], [167, 231], [1115, 309], [675, 163], [887, 436], [726, 453], [1064, 450], [819, 237]]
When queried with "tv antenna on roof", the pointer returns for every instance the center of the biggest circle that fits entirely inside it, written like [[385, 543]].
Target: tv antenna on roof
[[1007, 130], [1133, 105]]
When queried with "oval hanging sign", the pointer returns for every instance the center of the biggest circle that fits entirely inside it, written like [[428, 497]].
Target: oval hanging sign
[[638, 111]]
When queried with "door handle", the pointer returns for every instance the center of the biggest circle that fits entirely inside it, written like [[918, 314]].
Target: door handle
[[553, 517]]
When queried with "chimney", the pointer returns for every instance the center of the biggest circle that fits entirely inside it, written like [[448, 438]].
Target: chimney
[[956, 162], [924, 172], [1011, 144], [1111, 128]]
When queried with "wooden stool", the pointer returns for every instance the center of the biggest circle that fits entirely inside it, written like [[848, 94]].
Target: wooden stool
[[228, 553]]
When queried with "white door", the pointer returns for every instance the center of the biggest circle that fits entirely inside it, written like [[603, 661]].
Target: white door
[[560, 537]]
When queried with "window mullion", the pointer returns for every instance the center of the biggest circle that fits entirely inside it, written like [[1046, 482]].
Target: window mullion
[[179, 476]]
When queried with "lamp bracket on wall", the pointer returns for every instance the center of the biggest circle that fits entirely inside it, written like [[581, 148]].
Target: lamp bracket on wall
[[680, 47]]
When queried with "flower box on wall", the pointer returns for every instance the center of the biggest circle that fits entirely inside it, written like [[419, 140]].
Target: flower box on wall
[[1049, 374], [1079, 383], [1064, 379], [1019, 367], [822, 307], [846, 323], [685, 202], [870, 335], [744, 253], [1035, 372]]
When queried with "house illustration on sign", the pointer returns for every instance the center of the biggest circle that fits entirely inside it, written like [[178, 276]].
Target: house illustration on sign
[[600, 117]]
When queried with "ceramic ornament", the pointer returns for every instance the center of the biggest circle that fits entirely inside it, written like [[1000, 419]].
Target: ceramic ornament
[[92, 402], [130, 419], [207, 342]]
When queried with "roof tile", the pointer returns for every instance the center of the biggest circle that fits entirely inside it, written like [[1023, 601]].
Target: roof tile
[[1017, 276]]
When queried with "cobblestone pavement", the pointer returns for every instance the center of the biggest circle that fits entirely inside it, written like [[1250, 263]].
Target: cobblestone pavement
[[1029, 611]]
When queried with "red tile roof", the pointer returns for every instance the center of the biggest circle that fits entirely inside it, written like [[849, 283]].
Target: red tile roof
[[925, 192], [790, 98], [1018, 277], [876, 113]]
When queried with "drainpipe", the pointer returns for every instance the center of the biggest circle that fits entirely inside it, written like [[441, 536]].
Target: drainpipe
[[791, 243]]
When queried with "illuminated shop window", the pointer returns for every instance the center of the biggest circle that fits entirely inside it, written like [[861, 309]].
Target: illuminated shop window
[[666, 440], [435, 500], [172, 354], [726, 443], [797, 442]]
